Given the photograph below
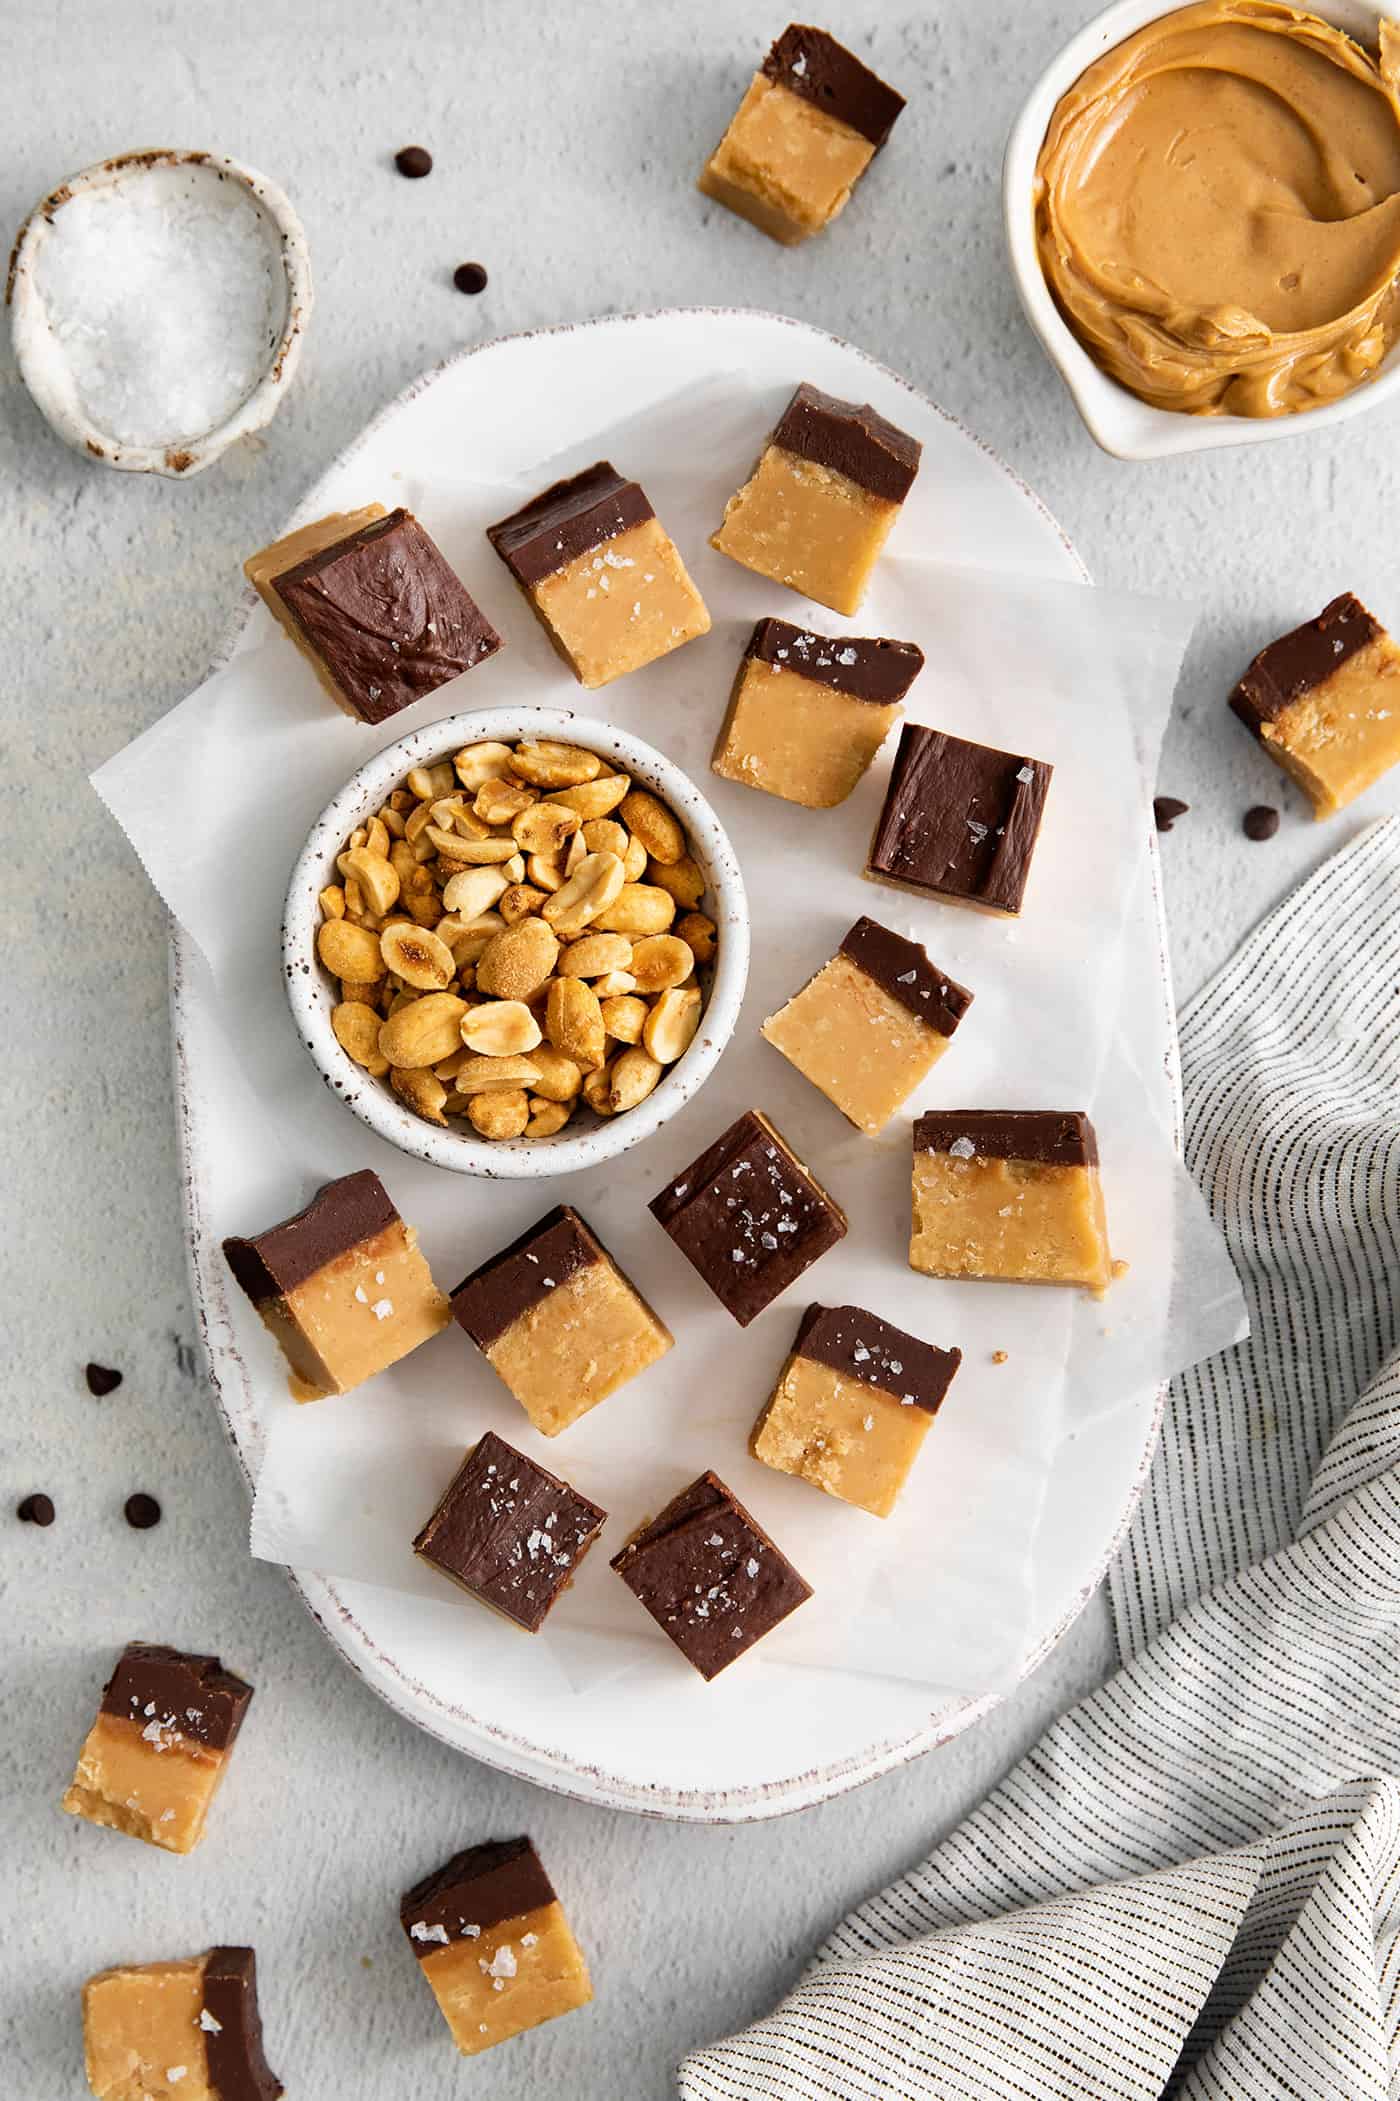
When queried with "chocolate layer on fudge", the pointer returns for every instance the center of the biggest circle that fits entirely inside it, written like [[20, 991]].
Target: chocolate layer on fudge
[[960, 818], [386, 616], [1054, 1138], [1302, 660], [510, 1532], [810, 63], [859, 1345], [338, 1218], [903, 970], [566, 520], [232, 2031], [476, 1890], [871, 669], [851, 439], [494, 1296], [192, 1694], [710, 1576]]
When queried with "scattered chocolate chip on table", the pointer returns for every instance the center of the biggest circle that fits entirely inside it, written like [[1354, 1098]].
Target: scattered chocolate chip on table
[[142, 1512], [1261, 822], [35, 1510], [1166, 809], [414, 161], [470, 278], [102, 1379]]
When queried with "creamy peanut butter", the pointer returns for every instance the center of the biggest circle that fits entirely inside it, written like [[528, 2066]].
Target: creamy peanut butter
[[1218, 209]]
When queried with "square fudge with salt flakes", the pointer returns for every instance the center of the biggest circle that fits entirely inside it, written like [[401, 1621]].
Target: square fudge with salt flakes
[[1324, 702], [371, 604], [556, 1319], [809, 712], [342, 1286], [852, 1406], [494, 1945], [823, 498], [1009, 1195], [157, 1753], [749, 1217], [178, 2031], [710, 1576], [601, 574], [509, 1532], [871, 1025], [960, 821]]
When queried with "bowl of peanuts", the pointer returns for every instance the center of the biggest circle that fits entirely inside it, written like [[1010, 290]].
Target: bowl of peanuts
[[516, 942]]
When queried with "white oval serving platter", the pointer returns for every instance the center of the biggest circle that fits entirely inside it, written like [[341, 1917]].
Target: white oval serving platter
[[805, 1736]]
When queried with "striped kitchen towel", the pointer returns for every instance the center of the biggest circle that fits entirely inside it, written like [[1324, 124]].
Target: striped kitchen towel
[[1191, 1887]]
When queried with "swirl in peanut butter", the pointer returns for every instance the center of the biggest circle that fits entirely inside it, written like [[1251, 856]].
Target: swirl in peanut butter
[[1218, 209]]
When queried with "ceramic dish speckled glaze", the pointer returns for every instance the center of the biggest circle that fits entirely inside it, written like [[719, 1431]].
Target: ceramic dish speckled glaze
[[657, 1744], [312, 992]]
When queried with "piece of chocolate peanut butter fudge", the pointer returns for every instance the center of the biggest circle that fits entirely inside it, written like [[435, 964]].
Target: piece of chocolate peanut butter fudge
[[370, 602], [601, 574], [510, 1532], [749, 1217], [811, 122], [871, 1025], [1324, 702], [341, 1287], [820, 504], [809, 712], [153, 1760], [492, 1941], [1011, 1195], [710, 1576], [557, 1320], [960, 820], [853, 1405], [178, 2031]]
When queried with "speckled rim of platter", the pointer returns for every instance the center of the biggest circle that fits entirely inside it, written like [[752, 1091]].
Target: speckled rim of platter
[[541, 1764]]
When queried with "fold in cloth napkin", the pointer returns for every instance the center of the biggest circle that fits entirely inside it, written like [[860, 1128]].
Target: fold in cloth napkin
[[1191, 1887]]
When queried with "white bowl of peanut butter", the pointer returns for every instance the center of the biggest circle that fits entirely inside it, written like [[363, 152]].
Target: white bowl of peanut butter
[[1202, 208]]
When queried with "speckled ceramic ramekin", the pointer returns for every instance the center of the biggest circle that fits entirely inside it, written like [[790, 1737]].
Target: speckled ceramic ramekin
[[313, 993]]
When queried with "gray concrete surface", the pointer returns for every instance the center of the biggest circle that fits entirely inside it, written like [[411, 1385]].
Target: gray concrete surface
[[567, 142]]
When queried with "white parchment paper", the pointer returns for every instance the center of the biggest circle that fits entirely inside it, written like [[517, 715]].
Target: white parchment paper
[[941, 1592]]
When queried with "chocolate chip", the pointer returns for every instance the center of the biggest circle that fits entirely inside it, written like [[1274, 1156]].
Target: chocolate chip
[[142, 1511], [1166, 809], [469, 277], [1261, 822], [35, 1510], [101, 1379], [413, 161]]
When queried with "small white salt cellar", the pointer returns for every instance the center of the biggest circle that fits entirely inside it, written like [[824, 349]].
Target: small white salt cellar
[[158, 303]]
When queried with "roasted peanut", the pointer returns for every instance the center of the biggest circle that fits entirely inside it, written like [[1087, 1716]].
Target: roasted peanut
[[596, 797], [660, 961], [499, 802], [473, 892], [595, 955], [423, 1092], [479, 1075], [574, 1023], [543, 827], [671, 1024], [588, 892], [631, 1078], [547, 1117], [616, 985], [650, 821], [624, 1017], [425, 1031], [519, 901], [522, 958], [417, 956], [501, 1113], [544, 872], [597, 1091], [429, 783], [634, 861], [501, 1028], [470, 941], [549, 765], [376, 875], [349, 951], [424, 907], [480, 762], [683, 878], [638, 908], [559, 1079], [332, 902], [357, 1032], [604, 835], [697, 931]]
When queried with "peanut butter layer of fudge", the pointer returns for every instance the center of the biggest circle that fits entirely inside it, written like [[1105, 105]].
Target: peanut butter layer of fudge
[[809, 126], [601, 574], [178, 2031], [1009, 1195], [871, 1025], [749, 1217], [342, 1287], [371, 604], [853, 1405], [1324, 702], [710, 1576], [820, 504], [960, 821], [809, 712], [493, 1943], [509, 1532], [556, 1319], [154, 1759]]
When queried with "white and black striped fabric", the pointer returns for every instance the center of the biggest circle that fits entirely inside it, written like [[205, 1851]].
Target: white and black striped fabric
[[1191, 1887]]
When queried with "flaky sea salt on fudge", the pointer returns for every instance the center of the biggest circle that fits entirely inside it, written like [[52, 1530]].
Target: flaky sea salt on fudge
[[871, 1025], [509, 1532], [1009, 1195], [342, 1287], [494, 1945], [809, 712], [601, 574], [1324, 702], [852, 1406], [178, 2031], [154, 1759]]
